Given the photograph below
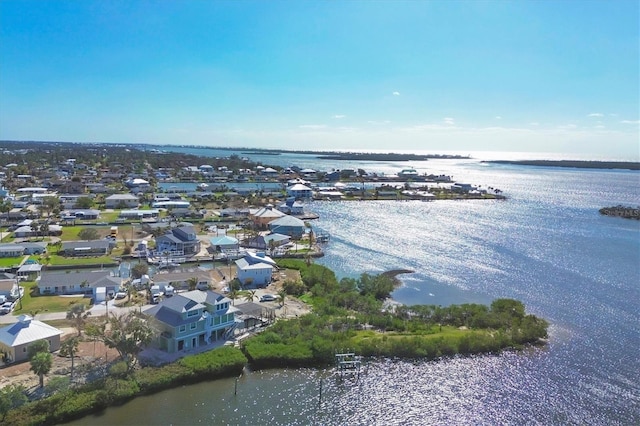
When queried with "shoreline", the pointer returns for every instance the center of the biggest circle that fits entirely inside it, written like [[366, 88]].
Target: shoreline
[[576, 164]]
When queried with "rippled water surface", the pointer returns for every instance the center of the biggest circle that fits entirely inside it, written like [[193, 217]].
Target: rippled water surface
[[546, 245]]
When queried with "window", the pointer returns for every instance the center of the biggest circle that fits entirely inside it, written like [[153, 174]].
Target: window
[[193, 325], [193, 313], [183, 328]]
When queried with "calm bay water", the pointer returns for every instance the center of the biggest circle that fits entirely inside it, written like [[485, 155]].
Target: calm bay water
[[545, 245]]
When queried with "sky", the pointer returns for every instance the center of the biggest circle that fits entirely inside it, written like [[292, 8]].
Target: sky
[[429, 76]]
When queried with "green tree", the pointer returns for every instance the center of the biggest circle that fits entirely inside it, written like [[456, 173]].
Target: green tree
[[139, 269], [249, 295], [69, 348], [41, 364], [282, 296], [37, 347], [192, 282], [84, 203], [88, 234], [127, 334], [78, 314], [11, 397]]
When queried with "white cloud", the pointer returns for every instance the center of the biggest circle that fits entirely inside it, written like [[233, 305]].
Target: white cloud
[[396, 93], [449, 121], [599, 126], [498, 117], [534, 123], [312, 126], [630, 122], [339, 116], [596, 114], [378, 123]]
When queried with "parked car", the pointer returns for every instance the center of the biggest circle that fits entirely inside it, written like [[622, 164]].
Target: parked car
[[6, 307], [267, 298]]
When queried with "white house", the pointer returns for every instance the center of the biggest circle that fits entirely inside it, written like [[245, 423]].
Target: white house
[[255, 269], [299, 191], [16, 338], [116, 200]]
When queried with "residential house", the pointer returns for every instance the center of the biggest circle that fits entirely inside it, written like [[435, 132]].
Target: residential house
[[22, 249], [85, 214], [28, 232], [224, 243], [180, 280], [85, 248], [267, 242], [299, 191], [141, 215], [181, 240], [292, 206], [263, 216], [79, 282], [190, 320], [255, 269], [116, 201], [288, 225], [9, 288], [16, 338]]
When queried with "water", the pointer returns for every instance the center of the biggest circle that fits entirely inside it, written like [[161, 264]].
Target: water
[[546, 245]]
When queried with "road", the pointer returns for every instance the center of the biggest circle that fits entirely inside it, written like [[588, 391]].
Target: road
[[96, 311]]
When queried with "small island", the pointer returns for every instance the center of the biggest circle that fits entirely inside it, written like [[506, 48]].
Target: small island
[[621, 211], [580, 164]]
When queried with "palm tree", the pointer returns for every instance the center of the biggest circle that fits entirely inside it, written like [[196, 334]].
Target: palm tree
[[249, 295], [233, 295], [41, 364], [282, 295], [70, 348], [192, 282], [77, 314]]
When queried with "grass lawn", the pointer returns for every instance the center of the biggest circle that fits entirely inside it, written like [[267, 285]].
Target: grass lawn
[[42, 304], [447, 332], [8, 262], [56, 260]]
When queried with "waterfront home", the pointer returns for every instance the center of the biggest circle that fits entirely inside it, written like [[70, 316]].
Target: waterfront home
[[84, 214], [255, 269], [16, 338], [266, 242], [79, 282], [462, 187], [141, 215], [117, 201], [190, 320], [288, 225], [22, 249], [224, 243], [180, 280], [85, 248], [263, 216], [292, 206], [181, 240], [299, 191], [408, 173], [177, 204]]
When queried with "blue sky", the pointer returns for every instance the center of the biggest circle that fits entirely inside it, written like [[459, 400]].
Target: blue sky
[[547, 76]]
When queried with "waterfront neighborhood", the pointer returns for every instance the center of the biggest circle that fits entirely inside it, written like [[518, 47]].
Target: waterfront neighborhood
[[177, 256]]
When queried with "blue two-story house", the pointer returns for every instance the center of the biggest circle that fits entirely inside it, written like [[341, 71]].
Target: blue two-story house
[[192, 319]]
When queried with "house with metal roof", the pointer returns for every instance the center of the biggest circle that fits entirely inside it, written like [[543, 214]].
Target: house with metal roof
[[181, 240], [118, 200], [86, 248], [255, 269], [188, 321], [288, 225], [299, 191], [180, 279], [224, 243], [9, 288], [79, 282], [16, 338], [263, 216]]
